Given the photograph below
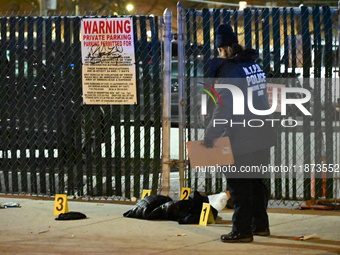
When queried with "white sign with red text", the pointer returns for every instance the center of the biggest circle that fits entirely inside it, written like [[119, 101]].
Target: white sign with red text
[[108, 61], [270, 87]]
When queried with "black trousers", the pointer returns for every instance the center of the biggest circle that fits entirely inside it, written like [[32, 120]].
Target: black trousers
[[249, 195]]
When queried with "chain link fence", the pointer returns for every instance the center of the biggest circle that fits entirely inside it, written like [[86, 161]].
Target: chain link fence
[[50, 141], [298, 48]]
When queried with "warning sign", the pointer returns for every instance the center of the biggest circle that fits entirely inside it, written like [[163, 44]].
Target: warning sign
[[108, 58]]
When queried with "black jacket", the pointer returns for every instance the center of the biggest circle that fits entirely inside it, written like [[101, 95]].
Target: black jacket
[[248, 132]]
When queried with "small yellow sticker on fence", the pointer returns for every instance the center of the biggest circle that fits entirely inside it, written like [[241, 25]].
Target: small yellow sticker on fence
[[206, 215], [146, 192], [60, 204], [185, 193]]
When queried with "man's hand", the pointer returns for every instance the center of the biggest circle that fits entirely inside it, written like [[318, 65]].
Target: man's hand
[[208, 143]]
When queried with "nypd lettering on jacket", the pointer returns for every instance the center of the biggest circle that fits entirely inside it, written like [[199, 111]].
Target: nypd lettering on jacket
[[256, 78]]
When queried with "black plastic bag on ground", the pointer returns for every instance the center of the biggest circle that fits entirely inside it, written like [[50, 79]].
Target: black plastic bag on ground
[[172, 210], [144, 208], [157, 207], [71, 216], [183, 211], [195, 204]]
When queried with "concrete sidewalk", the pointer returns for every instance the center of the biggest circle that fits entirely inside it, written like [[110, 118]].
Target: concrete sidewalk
[[32, 229]]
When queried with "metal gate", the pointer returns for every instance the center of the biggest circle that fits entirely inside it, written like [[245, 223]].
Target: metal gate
[[52, 143], [296, 45]]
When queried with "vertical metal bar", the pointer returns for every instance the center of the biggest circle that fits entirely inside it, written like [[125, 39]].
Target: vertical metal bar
[[137, 117], [286, 131], [23, 138], [88, 148], [226, 16], [60, 87], [166, 103], [306, 46], [266, 56], [293, 60], [21, 49], [60, 112], [117, 149], [318, 136], [57, 113], [30, 96], [68, 107], [127, 151], [216, 22], [79, 118], [5, 101], [72, 126], [266, 41], [41, 102], [192, 69], [3, 51], [317, 42], [145, 59], [206, 41], [256, 24], [218, 179], [49, 122], [277, 74], [44, 102], [22, 117], [128, 166], [156, 91], [206, 51], [181, 105], [47, 148], [4, 96], [329, 112], [38, 96], [189, 17], [108, 149], [276, 39], [235, 19], [12, 48], [285, 40], [247, 28], [20, 88], [293, 39], [193, 56], [97, 153], [13, 111]]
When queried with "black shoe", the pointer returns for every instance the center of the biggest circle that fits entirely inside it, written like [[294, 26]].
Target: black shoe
[[261, 232], [233, 237]]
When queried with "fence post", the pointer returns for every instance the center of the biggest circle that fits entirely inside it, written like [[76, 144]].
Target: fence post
[[181, 123], [165, 188]]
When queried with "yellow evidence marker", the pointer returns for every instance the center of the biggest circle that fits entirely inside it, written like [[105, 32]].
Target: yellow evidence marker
[[206, 215], [145, 193], [185, 193], [60, 204]]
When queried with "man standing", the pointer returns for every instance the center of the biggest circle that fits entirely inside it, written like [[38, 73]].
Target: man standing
[[251, 145]]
